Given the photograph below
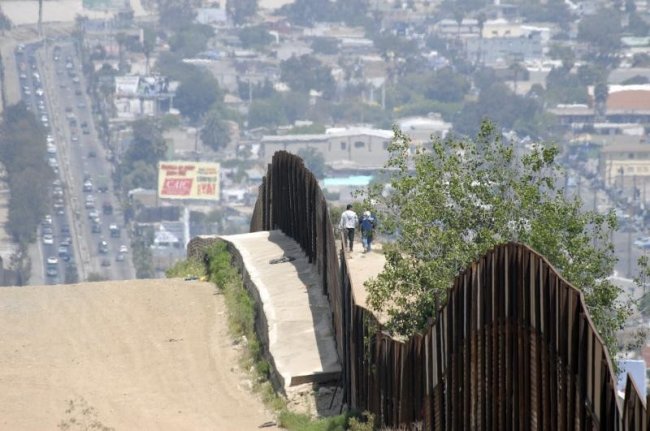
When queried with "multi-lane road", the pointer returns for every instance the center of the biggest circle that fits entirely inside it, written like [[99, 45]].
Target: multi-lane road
[[85, 229]]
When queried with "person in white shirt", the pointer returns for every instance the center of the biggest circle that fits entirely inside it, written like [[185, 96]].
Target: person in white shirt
[[349, 220]]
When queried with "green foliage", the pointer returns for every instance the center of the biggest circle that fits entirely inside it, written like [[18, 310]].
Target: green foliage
[[312, 129], [22, 152], [191, 40], [638, 26], [546, 11], [602, 30], [5, 22], [266, 113], [323, 45], [216, 131], [93, 277], [174, 15], [254, 37], [71, 275], [197, 92], [141, 252], [307, 12], [302, 422], [563, 53], [314, 161], [186, 268], [139, 165], [563, 86], [365, 423], [171, 65], [454, 202], [497, 103], [306, 73]]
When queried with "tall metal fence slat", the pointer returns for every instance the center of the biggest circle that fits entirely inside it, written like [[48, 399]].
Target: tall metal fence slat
[[513, 347]]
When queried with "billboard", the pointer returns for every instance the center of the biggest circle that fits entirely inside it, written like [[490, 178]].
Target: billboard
[[188, 180]]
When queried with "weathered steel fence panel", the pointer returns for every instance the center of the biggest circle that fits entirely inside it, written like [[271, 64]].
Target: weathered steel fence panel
[[513, 348]]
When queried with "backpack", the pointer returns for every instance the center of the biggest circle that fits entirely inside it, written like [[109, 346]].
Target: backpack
[[367, 224]]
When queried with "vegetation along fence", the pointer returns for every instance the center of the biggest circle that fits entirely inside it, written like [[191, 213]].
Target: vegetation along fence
[[513, 348]]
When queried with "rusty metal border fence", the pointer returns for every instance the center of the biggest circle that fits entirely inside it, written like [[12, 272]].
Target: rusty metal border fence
[[513, 348]]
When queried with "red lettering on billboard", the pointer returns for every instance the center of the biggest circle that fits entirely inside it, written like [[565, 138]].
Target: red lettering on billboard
[[177, 186], [207, 189]]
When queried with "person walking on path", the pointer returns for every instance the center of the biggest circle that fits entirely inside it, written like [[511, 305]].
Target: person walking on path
[[367, 226], [349, 220]]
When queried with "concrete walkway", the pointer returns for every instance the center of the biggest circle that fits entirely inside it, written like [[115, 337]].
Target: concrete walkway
[[362, 267], [295, 316]]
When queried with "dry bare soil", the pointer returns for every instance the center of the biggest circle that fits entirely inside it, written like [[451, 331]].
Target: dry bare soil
[[147, 355]]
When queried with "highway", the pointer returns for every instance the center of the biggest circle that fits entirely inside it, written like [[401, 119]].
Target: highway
[[80, 158]]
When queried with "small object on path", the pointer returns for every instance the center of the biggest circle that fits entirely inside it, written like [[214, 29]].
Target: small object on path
[[282, 259], [267, 424]]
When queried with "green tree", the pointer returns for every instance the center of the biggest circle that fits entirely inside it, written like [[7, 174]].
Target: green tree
[[191, 40], [254, 37], [5, 23], [216, 131], [563, 86], [446, 85], [174, 15], [197, 92], [602, 31], [22, 152], [306, 73], [451, 204], [265, 113], [638, 26], [322, 45], [314, 161]]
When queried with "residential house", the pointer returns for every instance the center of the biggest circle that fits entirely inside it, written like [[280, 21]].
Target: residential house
[[342, 148], [625, 163], [502, 51]]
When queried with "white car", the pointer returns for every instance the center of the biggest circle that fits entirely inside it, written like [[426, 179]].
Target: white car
[[123, 249], [48, 239], [52, 260]]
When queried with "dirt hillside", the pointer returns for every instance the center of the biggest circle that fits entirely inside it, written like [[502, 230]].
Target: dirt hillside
[[145, 355]]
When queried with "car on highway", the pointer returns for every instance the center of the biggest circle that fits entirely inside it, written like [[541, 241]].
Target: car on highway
[[88, 186], [52, 271], [103, 247], [63, 252], [124, 249], [120, 257], [115, 230], [51, 149], [96, 228], [106, 262], [48, 239], [52, 260]]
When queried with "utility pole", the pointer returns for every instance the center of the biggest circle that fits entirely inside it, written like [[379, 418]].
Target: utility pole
[[40, 18]]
